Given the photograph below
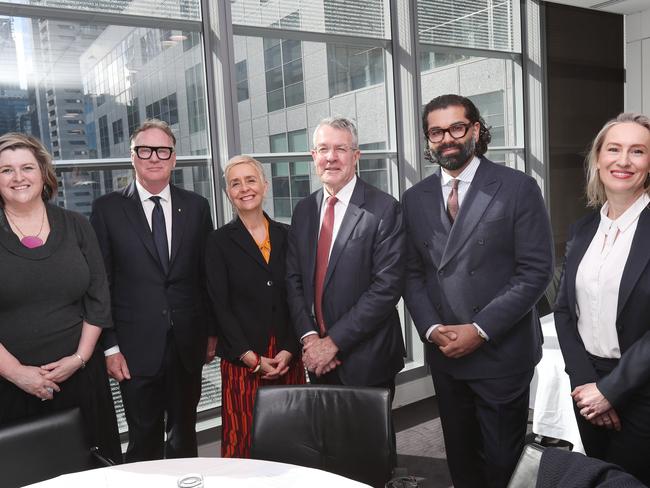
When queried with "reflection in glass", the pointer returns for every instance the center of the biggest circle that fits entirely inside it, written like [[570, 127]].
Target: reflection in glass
[[479, 24], [369, 18], [172, 9], [84, 88], [300, 83], [492, 84]]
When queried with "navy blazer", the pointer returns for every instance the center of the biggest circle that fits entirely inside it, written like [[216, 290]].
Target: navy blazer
[[632, 374], [248, 295], [146, 303], [363, 283], [491, 268]]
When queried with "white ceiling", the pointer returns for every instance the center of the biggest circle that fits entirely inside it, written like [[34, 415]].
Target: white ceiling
[[615, 6]]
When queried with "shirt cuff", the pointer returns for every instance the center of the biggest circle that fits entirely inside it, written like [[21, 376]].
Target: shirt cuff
[[112, 350], [241, 358], [481, 332], [429, 331], [312, 332]]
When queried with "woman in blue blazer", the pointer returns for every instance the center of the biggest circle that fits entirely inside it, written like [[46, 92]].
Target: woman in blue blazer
[[602, 312], [245, 262]]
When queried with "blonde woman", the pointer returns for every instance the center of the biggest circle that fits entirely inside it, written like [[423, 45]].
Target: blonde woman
[[603, 309], [245, 262]]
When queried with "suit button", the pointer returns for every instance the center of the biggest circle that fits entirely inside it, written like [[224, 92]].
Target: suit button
[[269, 283], [471, 273], [441, 272], [480, 242], [476, 309], [164, 312]]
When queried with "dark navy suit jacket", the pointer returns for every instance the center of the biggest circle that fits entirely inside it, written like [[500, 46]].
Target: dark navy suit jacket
[[491, 268], [146, 303], [364, 282]]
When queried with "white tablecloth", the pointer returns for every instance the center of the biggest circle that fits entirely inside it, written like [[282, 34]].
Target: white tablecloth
[[217, 473], [550, 393]]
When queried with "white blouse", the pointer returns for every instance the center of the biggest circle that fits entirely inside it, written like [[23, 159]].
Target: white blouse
[[599, 278]]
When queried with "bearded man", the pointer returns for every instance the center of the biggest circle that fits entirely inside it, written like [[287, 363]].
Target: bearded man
[[479, 257]]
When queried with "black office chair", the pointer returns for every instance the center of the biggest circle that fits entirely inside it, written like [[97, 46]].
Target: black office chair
[[340, 429], [44, 447]]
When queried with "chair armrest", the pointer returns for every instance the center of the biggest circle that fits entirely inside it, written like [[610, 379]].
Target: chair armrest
[[102, 460], [525, 474]]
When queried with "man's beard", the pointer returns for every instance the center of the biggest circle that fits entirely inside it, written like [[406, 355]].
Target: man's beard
[[455, 161]]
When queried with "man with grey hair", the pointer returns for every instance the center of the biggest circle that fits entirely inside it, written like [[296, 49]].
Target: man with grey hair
[[345, 269]]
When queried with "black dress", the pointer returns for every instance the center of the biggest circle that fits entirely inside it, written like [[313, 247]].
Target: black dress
[[45, 295]]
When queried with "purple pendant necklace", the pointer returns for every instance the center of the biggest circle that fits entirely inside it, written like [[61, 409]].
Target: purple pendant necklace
[[29, 241]]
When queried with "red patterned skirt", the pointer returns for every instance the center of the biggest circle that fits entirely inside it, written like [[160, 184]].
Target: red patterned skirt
[[238, 388]]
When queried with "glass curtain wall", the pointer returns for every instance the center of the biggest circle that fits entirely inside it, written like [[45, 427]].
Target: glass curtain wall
[[306, 61], [83, 87], [473, 48], [298, 62]]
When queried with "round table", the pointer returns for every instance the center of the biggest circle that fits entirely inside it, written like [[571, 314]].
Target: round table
[[217, 473]]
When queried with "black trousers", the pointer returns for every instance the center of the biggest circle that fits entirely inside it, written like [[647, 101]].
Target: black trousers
[[484, 426], [164, 403], [629, 447]]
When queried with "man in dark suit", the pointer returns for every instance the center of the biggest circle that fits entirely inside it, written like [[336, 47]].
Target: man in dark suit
[[479, 257], [152, 235], [345, 269]]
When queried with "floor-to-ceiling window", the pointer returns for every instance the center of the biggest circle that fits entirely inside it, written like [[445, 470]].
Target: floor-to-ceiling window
[[83, 87], [473, 48], [306, 61]]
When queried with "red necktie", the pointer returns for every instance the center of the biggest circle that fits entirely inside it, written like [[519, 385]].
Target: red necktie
[[452, 201], [322, 258]]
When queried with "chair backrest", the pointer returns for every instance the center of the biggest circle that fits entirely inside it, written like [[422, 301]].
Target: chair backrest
[[525, 474], [340, 429], [43, 447]]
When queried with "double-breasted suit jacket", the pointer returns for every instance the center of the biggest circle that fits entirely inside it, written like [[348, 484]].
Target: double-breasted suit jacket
[[632, 373], [363, 283], [147, 303], [490, 268], [249, 296]]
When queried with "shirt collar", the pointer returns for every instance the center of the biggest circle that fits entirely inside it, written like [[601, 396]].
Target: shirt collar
[[165, 193], [466, 176], [344, 194], [624, 221]]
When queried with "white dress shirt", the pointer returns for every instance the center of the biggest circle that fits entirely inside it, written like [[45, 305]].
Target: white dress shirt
[[340, 207], [148, 205], [598, 279], [465, 179], [343, 200], [166, 203]]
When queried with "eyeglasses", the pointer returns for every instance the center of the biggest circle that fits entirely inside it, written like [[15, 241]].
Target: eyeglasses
[[456, 131], [145, 152], [338, 150]]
